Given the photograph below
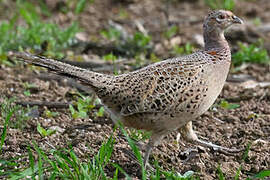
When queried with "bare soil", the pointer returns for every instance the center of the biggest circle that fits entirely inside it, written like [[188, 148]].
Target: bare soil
[[233, 128]]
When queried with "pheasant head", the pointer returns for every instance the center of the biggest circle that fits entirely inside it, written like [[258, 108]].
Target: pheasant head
[[214, 25]]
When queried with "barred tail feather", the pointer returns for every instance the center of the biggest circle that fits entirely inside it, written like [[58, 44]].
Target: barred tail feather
[[89, 77]]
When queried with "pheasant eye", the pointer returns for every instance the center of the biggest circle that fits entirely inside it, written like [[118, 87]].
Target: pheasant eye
[[221, 16]]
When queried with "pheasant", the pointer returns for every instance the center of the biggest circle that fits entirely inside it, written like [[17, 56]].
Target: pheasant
[[163, 96]]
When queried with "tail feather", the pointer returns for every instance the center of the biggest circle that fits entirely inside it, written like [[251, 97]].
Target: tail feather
[[91, 78]]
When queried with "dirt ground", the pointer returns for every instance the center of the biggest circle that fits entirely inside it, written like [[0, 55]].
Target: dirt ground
[[233, 128]]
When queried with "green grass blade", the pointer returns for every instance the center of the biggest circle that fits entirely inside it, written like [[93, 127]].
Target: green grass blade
[[63, 166], [135, 150], [75, 163], [80, 6], [24, 174], [263, 174], [121, 170], [40, 170], [220, 173], [31, 160], [4, 133]]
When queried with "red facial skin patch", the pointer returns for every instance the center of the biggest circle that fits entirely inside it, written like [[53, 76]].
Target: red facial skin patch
[[212, 53]]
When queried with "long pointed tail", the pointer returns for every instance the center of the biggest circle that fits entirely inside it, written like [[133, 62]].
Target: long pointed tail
[[89, 77]]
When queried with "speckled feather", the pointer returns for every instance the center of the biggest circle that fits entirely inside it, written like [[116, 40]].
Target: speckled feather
[[166, 90], [163, 96]]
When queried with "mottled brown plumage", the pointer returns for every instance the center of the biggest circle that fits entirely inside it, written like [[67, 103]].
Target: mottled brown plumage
[[164, 96]]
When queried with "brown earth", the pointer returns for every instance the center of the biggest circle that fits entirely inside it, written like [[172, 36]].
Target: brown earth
[[235, 128]]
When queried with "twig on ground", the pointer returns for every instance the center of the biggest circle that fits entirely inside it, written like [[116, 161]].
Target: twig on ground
[[45, 103]]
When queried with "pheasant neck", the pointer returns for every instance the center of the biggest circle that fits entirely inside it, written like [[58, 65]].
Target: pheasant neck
[[214, 39]]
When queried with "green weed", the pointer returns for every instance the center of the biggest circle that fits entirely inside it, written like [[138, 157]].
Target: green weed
[[43, 132], [111, 34], [6, 115], [110, 57], [220, 173], [180, 50], [9, 166], [172, 31], [36, 35], [154, 58], [27, 85], [64, 164], [135, 150], [253, 53], [158, 173], [81, 4], [220, 4], [18, 116], [123, 14], [50, 114], [138, 43], [100, 112], [261, 175], [257, 21], [252, 116], [139, 135], [226, 105], [27, 93], [84, 105]]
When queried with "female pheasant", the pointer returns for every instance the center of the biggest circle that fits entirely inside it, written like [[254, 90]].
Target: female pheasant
[[164, 96]]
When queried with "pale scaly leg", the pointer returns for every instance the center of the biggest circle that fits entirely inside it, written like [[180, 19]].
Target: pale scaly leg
[[153, 141], [189, 135]]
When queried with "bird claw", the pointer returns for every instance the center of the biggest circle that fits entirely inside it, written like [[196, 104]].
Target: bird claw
[[189, 135], [218, 148]]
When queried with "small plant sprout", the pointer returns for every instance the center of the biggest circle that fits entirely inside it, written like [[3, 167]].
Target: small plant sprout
[[220, 4], [172, 31], [43, 132], [50, 114], [226, 105], [180, 50], [254, 53], [84, 105]]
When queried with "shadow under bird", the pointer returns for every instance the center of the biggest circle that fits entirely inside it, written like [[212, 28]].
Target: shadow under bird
[[163, 96]]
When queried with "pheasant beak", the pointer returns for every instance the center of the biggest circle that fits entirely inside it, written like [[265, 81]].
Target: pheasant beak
[[237, 20]]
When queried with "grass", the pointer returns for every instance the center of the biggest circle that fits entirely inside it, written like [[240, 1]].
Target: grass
[[6, 116], [50, 114], [81, 4], [170, 32], [226, 105], [254, 53], [112, 58], [36, 35], [65, 164], [261, 175], [44, 132], [83, 105], [16, 115], [182, 50], [133, 45], [220, 4]]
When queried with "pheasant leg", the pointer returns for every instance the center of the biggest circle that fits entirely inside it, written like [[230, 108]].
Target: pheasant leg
[[189, 135], [154, 141]]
